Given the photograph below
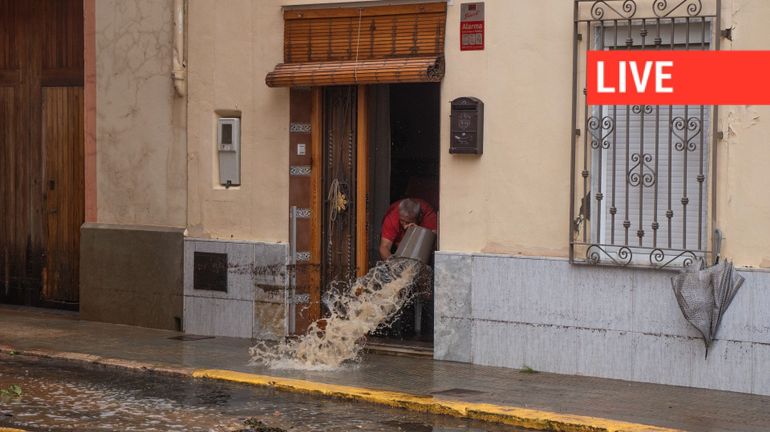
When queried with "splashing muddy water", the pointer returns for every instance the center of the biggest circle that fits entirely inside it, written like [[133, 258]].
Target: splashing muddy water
[[355, 311]]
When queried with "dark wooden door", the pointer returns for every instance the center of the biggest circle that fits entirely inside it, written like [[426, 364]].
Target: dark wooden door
[[338, 246], [63, 177], [41, 152]]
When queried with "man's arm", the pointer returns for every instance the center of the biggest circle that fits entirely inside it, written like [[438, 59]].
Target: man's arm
[[385, 246]]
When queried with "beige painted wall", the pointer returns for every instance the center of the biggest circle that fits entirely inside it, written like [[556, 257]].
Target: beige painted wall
[[233, 44], [140, 135], [743, 201], [515, 198]]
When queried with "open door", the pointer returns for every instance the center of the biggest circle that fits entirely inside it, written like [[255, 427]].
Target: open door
[[369, 146], [333, 58], [404, 147]]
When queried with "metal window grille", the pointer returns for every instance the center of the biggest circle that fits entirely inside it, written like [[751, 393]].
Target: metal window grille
[[642, 176]]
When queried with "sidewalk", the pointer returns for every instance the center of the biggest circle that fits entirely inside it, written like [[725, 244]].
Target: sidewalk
[[535, 400]]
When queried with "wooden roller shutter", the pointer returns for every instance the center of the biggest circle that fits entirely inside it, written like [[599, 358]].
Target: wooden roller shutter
[[416, 69], [362, 45]]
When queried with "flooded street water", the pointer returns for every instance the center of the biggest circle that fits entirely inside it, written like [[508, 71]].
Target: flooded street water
[[61, 397]]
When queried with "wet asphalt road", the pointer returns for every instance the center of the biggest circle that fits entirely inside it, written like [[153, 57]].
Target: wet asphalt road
[[56, 396]]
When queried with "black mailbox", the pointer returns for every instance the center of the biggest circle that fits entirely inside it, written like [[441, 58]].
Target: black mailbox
[[467, 126]]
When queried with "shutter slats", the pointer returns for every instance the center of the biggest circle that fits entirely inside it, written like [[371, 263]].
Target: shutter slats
[[309, 40], [361, 45], [341, 12], [677, 181]]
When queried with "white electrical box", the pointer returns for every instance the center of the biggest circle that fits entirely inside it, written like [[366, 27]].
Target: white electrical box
[[229, 150]]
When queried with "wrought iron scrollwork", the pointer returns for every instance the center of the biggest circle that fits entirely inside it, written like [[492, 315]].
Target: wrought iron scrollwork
[[600, 130], [691, 128], [622, 257], [627, 9], [659, 259], [598, 254], [662, 9], [638, 109], [646, 175], [637, 163]]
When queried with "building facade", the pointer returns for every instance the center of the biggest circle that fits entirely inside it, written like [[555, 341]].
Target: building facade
[[245, 152]]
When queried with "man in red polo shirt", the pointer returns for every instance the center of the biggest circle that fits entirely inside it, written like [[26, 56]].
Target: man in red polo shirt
[[401, 215]]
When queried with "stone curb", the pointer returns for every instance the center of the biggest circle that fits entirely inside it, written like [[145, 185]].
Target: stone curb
[[159, 368], [510, 415], [514, 416]]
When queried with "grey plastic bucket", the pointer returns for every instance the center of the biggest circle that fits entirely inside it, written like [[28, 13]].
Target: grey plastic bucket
[[417, 244]]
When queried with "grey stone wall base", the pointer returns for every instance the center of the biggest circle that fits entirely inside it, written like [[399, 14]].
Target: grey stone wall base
[[598, 321], [131, 275], [253, 306]]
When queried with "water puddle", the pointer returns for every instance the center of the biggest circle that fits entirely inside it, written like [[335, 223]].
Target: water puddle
[[60, 397], [355, 311]]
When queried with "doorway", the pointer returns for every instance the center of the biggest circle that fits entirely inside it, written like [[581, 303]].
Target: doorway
[[404, 151], [378, 144], [357, 62]]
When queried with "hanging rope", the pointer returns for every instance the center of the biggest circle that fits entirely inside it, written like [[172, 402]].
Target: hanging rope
[[338, 202], [334, 190]]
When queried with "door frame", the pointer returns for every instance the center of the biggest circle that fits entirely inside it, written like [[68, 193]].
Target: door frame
[[362, 182]]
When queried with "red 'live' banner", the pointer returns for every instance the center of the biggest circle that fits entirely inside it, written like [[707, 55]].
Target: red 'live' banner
[[678, 77]]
